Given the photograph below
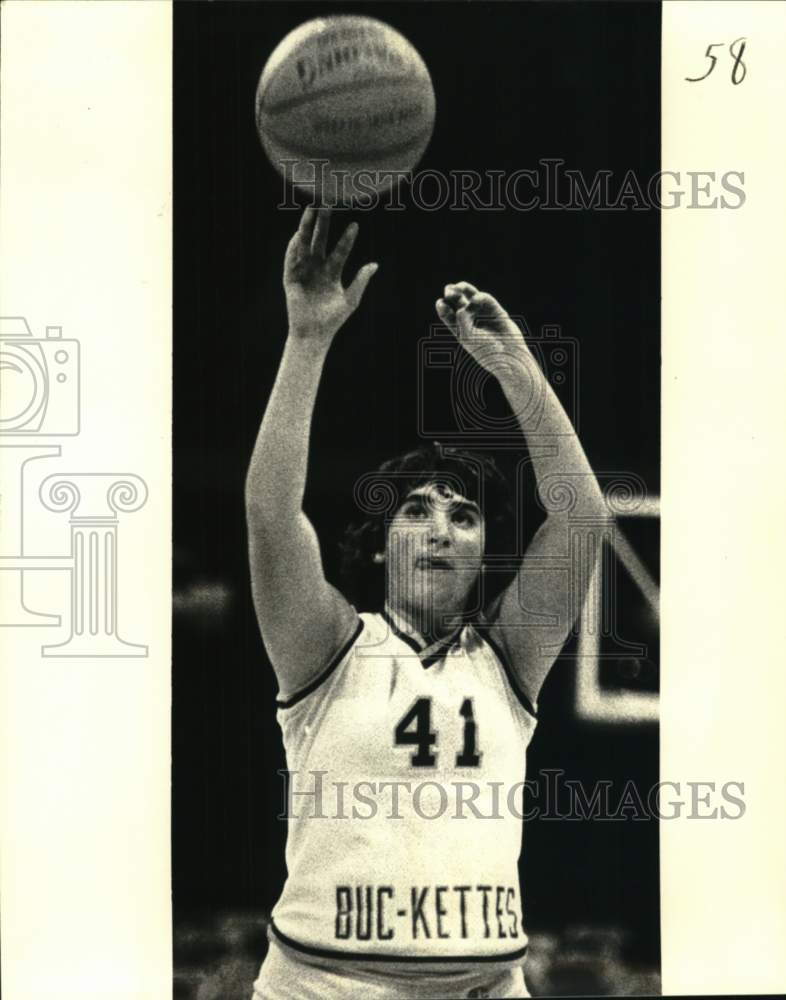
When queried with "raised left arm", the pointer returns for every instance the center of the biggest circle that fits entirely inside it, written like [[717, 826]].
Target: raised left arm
[[538, 610]]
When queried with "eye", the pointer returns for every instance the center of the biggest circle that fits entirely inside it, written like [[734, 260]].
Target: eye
[[414, 509], [466, 518]]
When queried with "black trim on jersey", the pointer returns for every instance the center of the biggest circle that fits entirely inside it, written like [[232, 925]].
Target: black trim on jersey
[[408, 639], [526, 704], [360, 956], [326, 672], [438, 648], [442, 650]]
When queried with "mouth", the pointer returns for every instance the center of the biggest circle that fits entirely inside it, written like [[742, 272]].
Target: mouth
[[432, 562]]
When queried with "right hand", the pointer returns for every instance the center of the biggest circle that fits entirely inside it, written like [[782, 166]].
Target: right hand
[[317, 302]]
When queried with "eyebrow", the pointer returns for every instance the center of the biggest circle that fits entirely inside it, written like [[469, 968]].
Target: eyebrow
[[462, 504]]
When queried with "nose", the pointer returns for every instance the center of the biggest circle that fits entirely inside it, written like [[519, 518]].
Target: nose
[[439, 529]]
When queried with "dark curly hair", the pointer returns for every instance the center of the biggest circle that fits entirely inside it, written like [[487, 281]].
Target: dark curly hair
[[381, 493]]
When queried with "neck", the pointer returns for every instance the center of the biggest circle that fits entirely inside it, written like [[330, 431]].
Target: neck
[[429, 624]]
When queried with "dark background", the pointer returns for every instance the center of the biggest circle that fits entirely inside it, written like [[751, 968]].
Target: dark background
[[514, 83]]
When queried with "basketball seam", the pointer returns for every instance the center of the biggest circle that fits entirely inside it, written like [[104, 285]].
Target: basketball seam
[[339, 88], [366, 155]]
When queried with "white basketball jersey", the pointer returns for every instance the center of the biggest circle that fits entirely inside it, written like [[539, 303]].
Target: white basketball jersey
[[406, 768]]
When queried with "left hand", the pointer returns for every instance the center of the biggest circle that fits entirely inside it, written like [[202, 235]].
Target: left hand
[[480, 324]]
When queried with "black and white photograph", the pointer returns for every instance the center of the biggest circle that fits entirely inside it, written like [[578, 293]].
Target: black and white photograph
[[416, 486], [390, 435]]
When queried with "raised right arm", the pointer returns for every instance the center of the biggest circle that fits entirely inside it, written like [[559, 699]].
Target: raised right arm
[[303, 619]]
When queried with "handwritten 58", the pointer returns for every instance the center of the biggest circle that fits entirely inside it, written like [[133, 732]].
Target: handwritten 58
[[738, 70]]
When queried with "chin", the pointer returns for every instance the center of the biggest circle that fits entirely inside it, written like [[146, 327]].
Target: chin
[[439, 600]]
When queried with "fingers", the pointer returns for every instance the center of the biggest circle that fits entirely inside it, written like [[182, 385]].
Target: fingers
[[460, 321], [457, 307], [355, 291], [305, 229], [455, 298], [342, 250], [462, 295], [465, 324], [321, 226], [464, 287], [446, 314]]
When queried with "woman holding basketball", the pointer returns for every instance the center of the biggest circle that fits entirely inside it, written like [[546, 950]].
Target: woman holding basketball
[[405, 728]]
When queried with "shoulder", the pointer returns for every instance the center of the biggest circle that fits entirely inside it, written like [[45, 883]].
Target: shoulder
[[368, 635], [353, 636]]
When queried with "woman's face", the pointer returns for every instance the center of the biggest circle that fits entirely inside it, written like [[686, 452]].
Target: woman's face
[[434, 551]]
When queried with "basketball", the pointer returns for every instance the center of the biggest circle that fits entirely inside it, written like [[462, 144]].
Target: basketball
[[343, 105]]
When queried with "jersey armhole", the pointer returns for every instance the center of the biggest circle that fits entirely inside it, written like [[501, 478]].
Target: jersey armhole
[[321, 678], [512, 679]]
